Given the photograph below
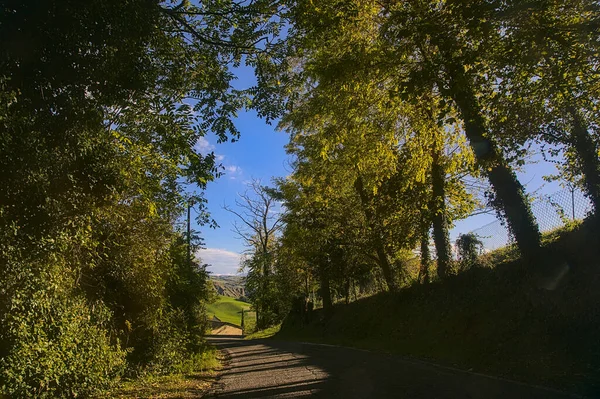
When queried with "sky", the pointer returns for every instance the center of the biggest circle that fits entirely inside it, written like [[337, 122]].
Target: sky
[[260, 154]]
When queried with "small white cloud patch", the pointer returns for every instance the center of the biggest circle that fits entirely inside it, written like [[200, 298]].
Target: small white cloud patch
[[221, 261], [233, 171], [203, 146]]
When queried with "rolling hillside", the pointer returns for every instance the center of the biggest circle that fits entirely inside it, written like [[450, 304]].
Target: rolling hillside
[[229, 309], [231, 286]]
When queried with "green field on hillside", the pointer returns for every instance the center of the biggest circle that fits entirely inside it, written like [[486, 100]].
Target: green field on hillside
[[228, 309]]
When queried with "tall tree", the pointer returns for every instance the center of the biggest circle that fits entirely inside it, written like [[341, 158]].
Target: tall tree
[[410, 48], [101, 106], [449, 44], [259, 223], [549, 93]]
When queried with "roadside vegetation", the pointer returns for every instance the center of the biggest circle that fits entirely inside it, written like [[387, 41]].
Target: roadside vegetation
[[492, 318], [190, 380], [404, 117], [103, 107]]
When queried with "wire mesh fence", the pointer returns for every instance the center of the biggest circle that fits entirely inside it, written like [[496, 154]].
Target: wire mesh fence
[[551, 212]]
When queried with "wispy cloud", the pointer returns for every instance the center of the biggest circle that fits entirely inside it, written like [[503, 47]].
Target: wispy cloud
[[204, 146], [233, 171], [221, 261]]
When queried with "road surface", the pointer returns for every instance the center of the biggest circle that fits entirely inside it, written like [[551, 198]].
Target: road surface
[[273, 369]]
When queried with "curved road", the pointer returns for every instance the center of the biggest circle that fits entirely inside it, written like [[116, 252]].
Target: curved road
[[273, 369]]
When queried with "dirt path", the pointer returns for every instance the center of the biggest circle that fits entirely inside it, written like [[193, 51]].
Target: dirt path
[[271, 369], [227, 330]]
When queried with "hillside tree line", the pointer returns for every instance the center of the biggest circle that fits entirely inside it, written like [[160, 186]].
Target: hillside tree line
[[406, 116]]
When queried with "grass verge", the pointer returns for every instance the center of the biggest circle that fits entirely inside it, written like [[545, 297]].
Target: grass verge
[[266, 333], [192, 380]]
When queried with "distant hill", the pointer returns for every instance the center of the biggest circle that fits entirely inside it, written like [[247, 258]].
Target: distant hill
[[230, 286], [229, 310]]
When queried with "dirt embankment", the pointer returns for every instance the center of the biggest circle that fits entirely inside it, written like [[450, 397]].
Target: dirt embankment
[[227, 330]]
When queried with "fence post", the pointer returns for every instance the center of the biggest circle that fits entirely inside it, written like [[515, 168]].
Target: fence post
[[573, 202]]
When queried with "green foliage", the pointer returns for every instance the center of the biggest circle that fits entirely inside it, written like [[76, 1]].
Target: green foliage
[[54, 342], [194, 376], [265, 291], [469, 248], [102, 104]]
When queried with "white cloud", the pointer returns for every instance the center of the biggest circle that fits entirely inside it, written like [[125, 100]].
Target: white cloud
[[233, 171], [204, 146], [221, 261]]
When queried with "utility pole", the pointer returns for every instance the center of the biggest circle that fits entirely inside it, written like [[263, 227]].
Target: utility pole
[[189, 234]]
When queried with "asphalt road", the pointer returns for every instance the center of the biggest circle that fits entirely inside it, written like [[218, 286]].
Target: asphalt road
[[272, 369]]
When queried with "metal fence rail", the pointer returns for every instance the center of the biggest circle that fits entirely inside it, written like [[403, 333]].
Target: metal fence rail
[[551, 212]]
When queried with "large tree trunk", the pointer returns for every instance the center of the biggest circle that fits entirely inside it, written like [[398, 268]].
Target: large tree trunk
[[382, 257], [587, 152], [509, 195], [425, 257], [441, 237], [384, 263]]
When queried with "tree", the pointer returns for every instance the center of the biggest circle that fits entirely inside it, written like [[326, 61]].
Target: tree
[[101, 106], [418, 50], [259, 224], [549, 94], [448, 45]]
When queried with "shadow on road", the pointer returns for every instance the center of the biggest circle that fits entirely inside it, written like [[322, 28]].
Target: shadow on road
[[273, 369]]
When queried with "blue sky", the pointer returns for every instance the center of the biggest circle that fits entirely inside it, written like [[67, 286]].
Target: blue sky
[[260, 154]]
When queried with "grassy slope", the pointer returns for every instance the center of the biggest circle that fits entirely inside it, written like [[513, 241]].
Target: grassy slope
[[227, 309], [496, 320]]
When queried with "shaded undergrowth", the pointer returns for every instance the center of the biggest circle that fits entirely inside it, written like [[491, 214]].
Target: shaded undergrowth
[[191, 380], [535, 323]]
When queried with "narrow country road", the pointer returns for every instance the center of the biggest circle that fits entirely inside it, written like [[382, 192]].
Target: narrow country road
[[272, 369]]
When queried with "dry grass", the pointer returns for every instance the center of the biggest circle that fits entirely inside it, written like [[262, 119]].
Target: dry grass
[[193, 385], [175, 386]]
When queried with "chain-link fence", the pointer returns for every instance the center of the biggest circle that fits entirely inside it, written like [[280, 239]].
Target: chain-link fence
[[550, 211]]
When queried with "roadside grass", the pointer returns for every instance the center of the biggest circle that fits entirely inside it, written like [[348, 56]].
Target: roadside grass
[[266, 333], [501, 318], [229, 310], [191, 380]]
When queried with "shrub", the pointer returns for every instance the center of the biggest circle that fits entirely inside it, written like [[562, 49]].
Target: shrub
[[54, 344], [469, 248]]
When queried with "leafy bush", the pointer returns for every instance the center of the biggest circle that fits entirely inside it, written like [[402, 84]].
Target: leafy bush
[[54, 344], [469, 248]]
